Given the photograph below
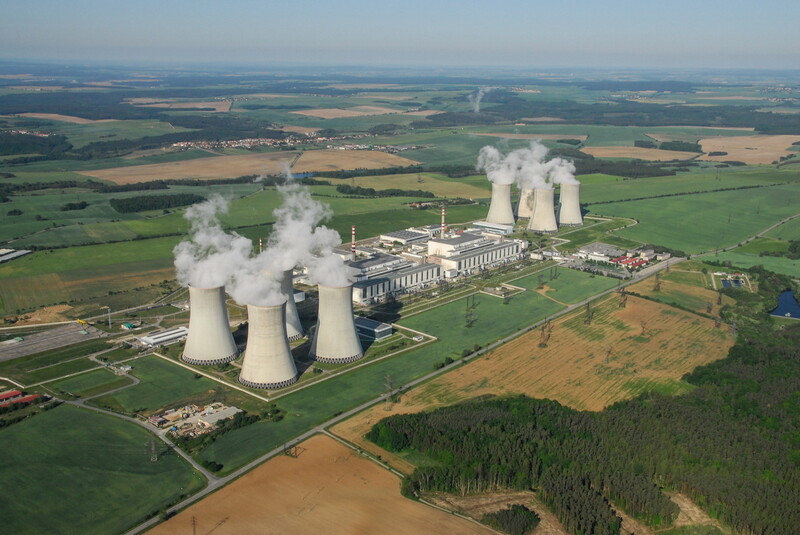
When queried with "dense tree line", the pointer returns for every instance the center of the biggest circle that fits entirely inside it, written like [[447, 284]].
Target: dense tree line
[[351, 173], [515, 519], [29, 144], [71, 206], [684, 146], [391, 192], [154, 202], [732, 444]]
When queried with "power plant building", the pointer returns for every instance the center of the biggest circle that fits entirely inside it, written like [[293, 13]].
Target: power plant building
[[210, 340], [383, 274], [465, 252], [335, 339], [268, 361]]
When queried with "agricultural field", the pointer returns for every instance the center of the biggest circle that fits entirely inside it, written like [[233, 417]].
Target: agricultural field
[[165, 384], [89, 384], [787, 266], [251, 164], [683, 289], [330, 486], [622, 353], [441, 186], [639, 153], [749, 149], [76, 471], [788, 231], [707, 221], [51, 364], [567, 286]]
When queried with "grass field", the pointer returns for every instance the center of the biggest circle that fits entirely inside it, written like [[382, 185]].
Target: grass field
[[678, 293], [702, 222], [764, 245], [788, 231], [76, 471], [783, 265], [89, 384], [583, 366], [25, 368], [326, 485], [569, 286]]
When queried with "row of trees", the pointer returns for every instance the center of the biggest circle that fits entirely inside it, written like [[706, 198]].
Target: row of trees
[[154, 202], [731, 444], [391, 192]]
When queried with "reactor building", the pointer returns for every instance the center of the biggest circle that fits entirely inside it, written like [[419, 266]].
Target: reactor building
[[267, 362], [335, 339], [210, 340]]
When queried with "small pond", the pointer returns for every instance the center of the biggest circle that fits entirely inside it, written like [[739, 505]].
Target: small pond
[[787, 306]]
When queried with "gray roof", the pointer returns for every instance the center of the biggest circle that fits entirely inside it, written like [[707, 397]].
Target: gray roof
[[407, 235], [371, 324], [458, 240]]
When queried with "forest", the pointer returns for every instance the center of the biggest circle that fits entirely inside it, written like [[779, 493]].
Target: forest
[[732, 444], [154, 202]]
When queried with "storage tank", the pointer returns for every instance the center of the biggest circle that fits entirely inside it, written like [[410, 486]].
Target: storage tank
[[525, 204], [569, 212], [500, 211], [210, 340], [544, 215], [267, 361], [336, 340]]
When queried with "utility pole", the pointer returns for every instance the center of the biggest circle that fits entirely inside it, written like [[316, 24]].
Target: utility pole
[[108, 308], [153, 452]]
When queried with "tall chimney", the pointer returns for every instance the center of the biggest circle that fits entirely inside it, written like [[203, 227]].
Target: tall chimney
[[268, 361], [353, 243], [210, 340], [336, 340], [444, 226]]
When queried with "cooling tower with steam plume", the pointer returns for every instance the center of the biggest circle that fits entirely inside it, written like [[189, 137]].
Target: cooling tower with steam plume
[[569, 212], [294, 329], [210, 340], [500, 210], [336, 340], [544, 215], [525, 205], [268, 361]]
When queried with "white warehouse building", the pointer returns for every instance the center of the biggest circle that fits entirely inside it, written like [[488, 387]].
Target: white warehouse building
[[384, 274], [472, 251]]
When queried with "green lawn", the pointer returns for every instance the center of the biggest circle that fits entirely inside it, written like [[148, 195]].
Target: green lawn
[[705, 221], [569, 286], [764, 245], [20, 368], [71, 470], [90, 383], [787, 231], [773, 263]]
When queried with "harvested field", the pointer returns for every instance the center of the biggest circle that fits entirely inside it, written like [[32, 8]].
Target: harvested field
[[422, 113], [683, 295], [475, 506], [748, 149], [249, 164], [338, 113], [362, 86], [64, 118], [640, 153], [542, 119], [440, 188], [533, 136], [216, 105], [326, 485], [586, 367], [46, 315], [299, 129]]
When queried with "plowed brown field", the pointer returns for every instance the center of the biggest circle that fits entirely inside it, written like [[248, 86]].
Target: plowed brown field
[[326, 489], [748, 149]]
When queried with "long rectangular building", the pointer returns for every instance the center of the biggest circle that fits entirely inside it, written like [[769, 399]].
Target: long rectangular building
[[473, 251], [383, 274]]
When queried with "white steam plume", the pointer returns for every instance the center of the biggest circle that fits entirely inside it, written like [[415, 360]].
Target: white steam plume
[[211, 256], [251, 286], [526, 167], [299, 239], [476, 97]]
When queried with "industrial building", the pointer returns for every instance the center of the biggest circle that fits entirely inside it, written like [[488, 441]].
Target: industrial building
[[383, 274], [373, 330], [159, 338], [465, 252]]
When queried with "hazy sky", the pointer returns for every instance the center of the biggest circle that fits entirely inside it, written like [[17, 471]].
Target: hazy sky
[[572, 33]]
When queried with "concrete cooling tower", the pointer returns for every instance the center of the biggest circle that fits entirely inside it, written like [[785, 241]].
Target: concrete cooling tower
[[335, 340], [500, 211], [569, 212], [525, 205], [544, 215], [268, 361], [294, 330], [210, 340]]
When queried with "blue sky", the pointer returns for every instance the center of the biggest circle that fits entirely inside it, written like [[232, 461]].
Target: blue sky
[[530, 34]]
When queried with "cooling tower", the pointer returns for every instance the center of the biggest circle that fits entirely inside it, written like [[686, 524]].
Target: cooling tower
[[500, 211], [210, 340], [268, 361], [525, 205], [544, 215], [569, 212], [294, 330], [335, 340]]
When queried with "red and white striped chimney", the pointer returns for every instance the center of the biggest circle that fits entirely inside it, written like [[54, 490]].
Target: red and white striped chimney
[[260, 246], [444, 226], [353, 241]]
